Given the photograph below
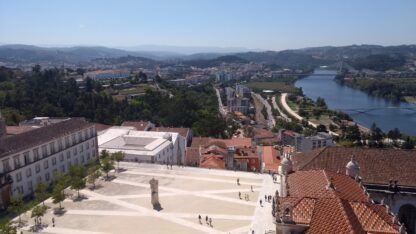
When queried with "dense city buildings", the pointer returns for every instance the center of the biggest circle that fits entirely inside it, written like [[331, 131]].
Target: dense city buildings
[[37, 155], [238, 99], [303, 143]]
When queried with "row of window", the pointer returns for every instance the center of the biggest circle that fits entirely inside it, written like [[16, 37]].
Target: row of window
[[26, 155], [18, 175]]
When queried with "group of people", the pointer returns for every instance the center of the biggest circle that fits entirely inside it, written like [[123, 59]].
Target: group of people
[[208, 220], [246, 196]]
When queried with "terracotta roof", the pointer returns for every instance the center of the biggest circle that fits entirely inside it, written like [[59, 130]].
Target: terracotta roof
[[313, 184], [340, 208], [181, 131], [15, 130], [101, 127], [139, 125], [262, 133], [212, 161], [199, 141], [270, 158], [395, 164], [41, 135]]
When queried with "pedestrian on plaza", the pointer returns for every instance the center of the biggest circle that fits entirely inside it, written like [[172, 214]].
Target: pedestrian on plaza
[[238, 181], [210, 222], [265, 198], [206, 219], [252, 188], [239, 195], [53, 222], [199, 218], [261, 204]]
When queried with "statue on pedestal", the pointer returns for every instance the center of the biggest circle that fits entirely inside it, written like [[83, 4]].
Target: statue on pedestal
[[155, 194]]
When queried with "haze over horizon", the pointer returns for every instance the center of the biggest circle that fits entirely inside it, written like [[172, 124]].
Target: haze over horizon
[[230, 25]]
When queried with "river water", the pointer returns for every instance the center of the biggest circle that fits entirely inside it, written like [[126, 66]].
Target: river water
[[387, 115]]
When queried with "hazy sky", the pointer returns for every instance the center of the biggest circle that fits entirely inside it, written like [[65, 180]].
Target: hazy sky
[[262, 24]]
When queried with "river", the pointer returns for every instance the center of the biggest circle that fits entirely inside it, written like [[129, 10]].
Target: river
[[387, 115]]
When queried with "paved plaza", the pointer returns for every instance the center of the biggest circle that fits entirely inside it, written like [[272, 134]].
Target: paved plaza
[[123, 205]]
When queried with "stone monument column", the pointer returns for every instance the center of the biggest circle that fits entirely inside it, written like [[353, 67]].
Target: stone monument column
[[154, 184]]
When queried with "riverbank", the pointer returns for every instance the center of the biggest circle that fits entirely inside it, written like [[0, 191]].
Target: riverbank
[[392, 89], [364, 109]]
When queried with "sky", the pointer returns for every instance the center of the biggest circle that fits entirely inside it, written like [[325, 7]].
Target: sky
[[251, 24]]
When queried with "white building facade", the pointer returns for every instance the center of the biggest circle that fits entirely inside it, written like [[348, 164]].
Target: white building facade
[[144, 146], [36, 156]]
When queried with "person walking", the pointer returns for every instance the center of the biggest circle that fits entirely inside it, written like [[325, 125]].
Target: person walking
[[206, 219], [210, 222], [199, 218], [252, 188], [53, 222], [238, 181], [239, 195], [261, 203]]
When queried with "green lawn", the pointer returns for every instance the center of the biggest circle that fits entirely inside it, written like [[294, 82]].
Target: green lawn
[[274, 85]]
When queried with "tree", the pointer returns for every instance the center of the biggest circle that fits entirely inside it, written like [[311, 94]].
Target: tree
[[104, 154], [320, 102], [394, 134], [77, 181], [38, 212], [58, 194], [352, 133], [117, 156], [16, 206], [408, 144], [106, 166], [93, 175], [321, 128], [41, 192], [8, 228]]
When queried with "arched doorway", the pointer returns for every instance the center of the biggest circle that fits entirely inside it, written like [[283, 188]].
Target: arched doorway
[[407, 215]]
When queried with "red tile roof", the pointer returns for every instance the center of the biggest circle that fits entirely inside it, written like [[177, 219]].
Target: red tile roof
[[270, 158], [184, 132], [395, 164], [212, 162], [340, 208], [101, 127]]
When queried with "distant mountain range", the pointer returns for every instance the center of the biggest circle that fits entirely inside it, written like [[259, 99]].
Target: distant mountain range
[[21, 54]]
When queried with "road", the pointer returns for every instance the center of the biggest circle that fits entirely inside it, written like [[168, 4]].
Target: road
[[271, 122], [221, 107], [295, 115], [281, 113]]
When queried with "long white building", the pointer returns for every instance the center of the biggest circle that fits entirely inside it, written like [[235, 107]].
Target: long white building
[[34, 156], [143, 146]]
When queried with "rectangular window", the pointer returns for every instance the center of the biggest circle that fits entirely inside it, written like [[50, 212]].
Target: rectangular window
[[88, 156], [75, 151], [82, 159], [67, 142], [60, 144], [16, 160], [18, 176], [29, 172], [46, 164], [81, 148], [73, 139], [6, 165], [44, 151], [30, 186], [53, 161], [87, 145], [52, 147], [36, 154], [68, 154], [26, 157], [61, 157], [63, 168], [47, 176], [37, 168]]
